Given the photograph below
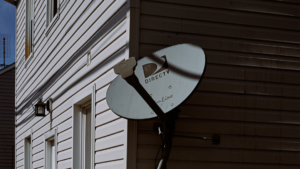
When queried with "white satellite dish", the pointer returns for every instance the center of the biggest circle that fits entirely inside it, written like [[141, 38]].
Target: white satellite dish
[[169, 76]]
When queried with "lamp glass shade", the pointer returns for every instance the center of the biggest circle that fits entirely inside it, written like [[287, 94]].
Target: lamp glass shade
[[40, 109]]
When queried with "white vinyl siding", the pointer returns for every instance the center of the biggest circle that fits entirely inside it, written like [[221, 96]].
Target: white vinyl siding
[[78, 22]]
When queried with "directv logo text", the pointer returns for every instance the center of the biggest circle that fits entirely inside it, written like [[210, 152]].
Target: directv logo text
[[151, 69]]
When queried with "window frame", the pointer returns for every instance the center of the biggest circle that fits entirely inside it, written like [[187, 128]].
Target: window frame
[[29, 30], [81, 100], [48, 138], [50, 23], [27, 136]]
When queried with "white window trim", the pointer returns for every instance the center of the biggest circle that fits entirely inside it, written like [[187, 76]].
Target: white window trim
[[49, 26], [80, 99], [47, 136], [31, 55], [27, 135]]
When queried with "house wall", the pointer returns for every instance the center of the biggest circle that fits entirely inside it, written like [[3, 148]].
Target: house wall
[[250, 92], [7, 116], [58, 70]]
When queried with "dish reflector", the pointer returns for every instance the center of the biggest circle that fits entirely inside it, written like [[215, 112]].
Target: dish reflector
[[169, 76]]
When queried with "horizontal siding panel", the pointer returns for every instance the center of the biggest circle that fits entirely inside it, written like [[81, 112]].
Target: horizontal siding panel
[[217, 29], [65, 145], [20, 157], [179, 164], [217, 43], [110, 128], [101, 107], [65, 164], [101, 94], [38, 148], [230, 128], [111, 165], [65, 125], [72, 47], [248, 87], [41, 131], [38, 156], [63, 155], [110, 154], [239, 114], [62, 117], [251, 74], [110, 141], [38, 164], [218, 15], [105, 117], [227, 142], [109, 76], [38, 141], [247, 101], [221, 155], [96, 73], [64, 135], [246, 5], [62, 108]]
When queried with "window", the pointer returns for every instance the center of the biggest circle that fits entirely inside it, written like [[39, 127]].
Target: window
[[29, 28], [83, 105], [82, 150], [86, 137], [52, 14], [50, 149], [28, 151]]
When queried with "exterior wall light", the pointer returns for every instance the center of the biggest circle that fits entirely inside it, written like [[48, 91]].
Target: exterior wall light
[[49, 105], [40, 109]]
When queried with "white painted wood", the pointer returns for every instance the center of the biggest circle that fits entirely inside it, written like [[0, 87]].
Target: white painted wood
[[110, 141], [65, 164], [38, 148], [38, 163], [111, 165], [38, 156], [19, 151], [106, 14], [65, 125], [66, 106], [38, 141], [64, 145], [61, 118], [41, 131], [64, 135], [110, 128], [101, 94], [110, 154], [101, 107], [109, 76], [63, 155], [20, 157], [77, 22], [106, 117]]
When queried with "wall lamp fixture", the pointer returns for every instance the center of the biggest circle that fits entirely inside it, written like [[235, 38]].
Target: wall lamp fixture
[[40, 109]]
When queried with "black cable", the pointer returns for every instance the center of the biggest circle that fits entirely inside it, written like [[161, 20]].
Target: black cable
[[160, 148], [155, 165]]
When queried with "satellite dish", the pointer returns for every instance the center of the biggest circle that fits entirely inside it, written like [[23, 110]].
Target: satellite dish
[[169, 76]]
